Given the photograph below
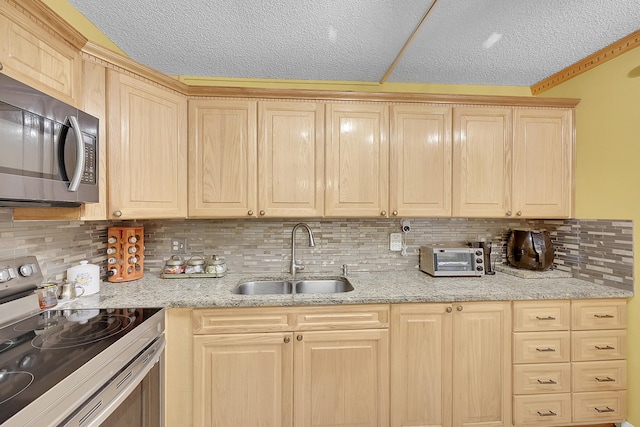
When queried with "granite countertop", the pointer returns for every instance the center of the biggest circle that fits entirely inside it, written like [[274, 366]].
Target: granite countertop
[[371, 287]]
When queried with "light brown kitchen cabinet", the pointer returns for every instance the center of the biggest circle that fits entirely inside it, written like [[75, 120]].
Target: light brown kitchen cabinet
[[451, 364], [513, 162], [543, 163], [290, 159], [320, 366], [357, 160], [420, 161], [147, 149], [35, 56], [569, 362], [482, 161], [222, 158]]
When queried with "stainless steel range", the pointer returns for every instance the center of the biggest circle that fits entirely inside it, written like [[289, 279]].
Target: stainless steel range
[[66, 367]]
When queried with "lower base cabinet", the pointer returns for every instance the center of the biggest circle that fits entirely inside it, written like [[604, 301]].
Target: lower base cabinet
[[320, 370], [451, 364]]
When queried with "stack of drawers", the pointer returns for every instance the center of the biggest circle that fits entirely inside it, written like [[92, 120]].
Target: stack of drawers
[[569, 362]]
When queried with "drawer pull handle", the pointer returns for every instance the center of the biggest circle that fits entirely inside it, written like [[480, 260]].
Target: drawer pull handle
[[603, 316], [546, 349], [606, 347], [547, 414], [605, 380], [606, 409], [546, 318], [547, 382]]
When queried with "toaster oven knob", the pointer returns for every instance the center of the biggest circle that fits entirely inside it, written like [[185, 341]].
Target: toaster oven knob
[[479, 268], [478, 253], [479, 260]]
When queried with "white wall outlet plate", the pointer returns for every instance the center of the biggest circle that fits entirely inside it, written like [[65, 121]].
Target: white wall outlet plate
[[395, 242]]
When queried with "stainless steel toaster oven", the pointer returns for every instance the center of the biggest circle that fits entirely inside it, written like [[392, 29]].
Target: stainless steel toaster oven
[[451, 261]]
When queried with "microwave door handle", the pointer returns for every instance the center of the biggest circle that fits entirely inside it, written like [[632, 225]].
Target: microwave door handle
[[80, 154]]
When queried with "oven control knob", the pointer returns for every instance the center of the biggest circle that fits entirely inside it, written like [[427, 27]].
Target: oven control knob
[[26, 270], [4, 275]]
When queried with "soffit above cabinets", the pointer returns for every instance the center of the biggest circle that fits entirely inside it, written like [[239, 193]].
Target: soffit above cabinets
[[482, 42]]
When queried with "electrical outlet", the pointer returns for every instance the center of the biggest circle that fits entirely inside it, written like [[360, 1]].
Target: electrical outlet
[[179, 245], [395, 242]]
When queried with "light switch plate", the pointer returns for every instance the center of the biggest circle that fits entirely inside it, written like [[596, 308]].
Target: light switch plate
[[395, 242]]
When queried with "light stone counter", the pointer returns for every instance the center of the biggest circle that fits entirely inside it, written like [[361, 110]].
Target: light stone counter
[[393, 287]]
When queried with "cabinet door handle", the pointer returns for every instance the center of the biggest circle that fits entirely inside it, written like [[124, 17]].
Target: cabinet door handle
[[603, 316], [383, 213], [547, 382], [605, 380], [250, 213], [547, 414], [606, 347], [286, 340], [546, 349], [262, 213], [519, 213], [459, 308], [606, 409], [395, 213], [449, 309], [508, 213], [546, 318], [117, 214], [299, 337]]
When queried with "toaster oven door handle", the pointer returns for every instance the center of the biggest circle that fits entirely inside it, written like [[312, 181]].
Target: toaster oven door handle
[[80, 154]]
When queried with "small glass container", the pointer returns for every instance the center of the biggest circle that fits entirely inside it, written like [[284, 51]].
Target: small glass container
[[48, 295], [195, 265], [216, 265], [174, 265]]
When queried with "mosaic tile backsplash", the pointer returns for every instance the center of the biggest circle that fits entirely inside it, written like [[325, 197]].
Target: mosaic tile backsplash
[[599, 251]]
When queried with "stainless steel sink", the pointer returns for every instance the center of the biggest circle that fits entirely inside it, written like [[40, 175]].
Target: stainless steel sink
[[284, 287]]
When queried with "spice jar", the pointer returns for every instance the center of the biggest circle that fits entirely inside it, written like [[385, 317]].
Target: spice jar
[[217, 266], [174, 265], [195, 265]]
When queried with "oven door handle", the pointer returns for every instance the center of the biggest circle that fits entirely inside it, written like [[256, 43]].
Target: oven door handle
[[80, 154]]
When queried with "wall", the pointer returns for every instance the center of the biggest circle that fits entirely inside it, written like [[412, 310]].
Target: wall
[[597, 251], [608, 150]]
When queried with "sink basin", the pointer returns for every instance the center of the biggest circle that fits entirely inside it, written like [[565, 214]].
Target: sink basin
[[284, 287], [263, 287], [329, 286]]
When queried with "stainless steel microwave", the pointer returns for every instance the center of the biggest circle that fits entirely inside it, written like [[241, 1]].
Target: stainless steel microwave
[[48, 149], [451, 261]]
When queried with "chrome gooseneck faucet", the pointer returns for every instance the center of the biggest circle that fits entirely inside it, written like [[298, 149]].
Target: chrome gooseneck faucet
[[297, 267]]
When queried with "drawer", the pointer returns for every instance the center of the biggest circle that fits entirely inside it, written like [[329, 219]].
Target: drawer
[[599, 376], [541, 347], [365, 316], [599, 314], [542, 378], [599, 345], [240, 320], [542, 409], [605, 406], [541, 315]]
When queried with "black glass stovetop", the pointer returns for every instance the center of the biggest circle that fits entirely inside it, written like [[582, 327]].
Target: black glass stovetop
[[38, 352]]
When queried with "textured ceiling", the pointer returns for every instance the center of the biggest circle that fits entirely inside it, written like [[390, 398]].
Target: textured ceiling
[[358, 40]]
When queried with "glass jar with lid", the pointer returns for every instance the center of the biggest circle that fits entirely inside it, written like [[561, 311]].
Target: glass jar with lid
[[195, 265], [174, 265], [217, 266]]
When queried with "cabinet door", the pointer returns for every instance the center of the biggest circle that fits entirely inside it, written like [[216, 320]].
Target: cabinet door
[[357, 156], [222, 158], [341, 378], [31, 54], [420, 161], [543, 163], [482, 364], [421, 365], [147, 149], [94, 102], [291, 159], [482, 144], [243, 380]]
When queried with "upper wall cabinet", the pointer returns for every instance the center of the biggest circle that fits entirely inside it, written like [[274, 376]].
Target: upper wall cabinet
[[420, 161], [357, 156], [222, 158], [543, 163], [482, 145], [33, 55], [147, 149], [290, 159]]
